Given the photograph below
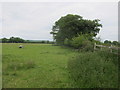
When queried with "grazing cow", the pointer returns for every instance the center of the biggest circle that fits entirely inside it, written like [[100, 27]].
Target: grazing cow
[[20, 46]]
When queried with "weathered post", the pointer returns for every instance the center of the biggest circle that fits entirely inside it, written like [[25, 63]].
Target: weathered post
[[111, 48], [94, 46], [100, 47]]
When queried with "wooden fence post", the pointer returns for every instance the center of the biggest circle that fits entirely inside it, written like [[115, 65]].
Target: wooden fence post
[[111, 48], [94, 46], [101, 47]]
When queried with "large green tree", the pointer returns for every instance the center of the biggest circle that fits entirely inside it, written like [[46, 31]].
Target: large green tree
[[71, 25]]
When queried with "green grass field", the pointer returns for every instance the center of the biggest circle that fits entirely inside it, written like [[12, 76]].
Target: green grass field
[[48, 66], [36, 66]]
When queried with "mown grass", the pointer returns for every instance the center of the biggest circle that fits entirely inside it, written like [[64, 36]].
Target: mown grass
[[47, 66], [36, 66]]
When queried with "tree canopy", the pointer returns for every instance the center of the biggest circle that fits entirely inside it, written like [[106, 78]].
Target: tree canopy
[[20, 40], [112, 42], [12, 40], [71, 25]]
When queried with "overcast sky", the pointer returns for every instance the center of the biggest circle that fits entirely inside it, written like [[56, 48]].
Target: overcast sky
[[33, 21]]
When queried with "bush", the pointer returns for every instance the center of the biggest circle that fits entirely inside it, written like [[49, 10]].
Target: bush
[[67, 42], [77, 42], [87, 46], [94, 70], [82, 42]]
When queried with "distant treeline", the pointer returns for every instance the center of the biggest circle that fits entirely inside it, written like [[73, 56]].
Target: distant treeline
[[20, 40], [112, 42]]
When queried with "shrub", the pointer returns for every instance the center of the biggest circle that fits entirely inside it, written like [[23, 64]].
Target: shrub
[[67, 42], [82, 42], [77, 42], [87, 46], [94, 70]]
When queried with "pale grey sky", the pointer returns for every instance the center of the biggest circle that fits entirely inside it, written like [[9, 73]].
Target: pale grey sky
[[30, 20]]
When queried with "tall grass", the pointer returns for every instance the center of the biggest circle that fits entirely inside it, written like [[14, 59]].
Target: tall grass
[[17, 65], [94, 70]]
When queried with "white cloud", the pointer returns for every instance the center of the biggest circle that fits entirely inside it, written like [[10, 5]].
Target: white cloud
[[59, 0], [35, 20]]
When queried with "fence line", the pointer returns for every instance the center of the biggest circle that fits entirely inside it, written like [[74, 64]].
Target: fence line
[[102, 46]]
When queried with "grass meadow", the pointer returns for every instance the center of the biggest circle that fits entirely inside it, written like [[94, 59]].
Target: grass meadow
[[48, 66], [35, 66]]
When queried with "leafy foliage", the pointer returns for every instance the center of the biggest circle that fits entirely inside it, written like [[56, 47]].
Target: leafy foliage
[[77, 42], [71, 25], [20, 40], [112, 42], [94, 70], [13, 40], [107, 42], [82, 42]]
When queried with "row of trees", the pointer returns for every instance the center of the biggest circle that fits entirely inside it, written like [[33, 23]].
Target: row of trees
[[111, 42], [20, 40], [12, 40], [39, 41]]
